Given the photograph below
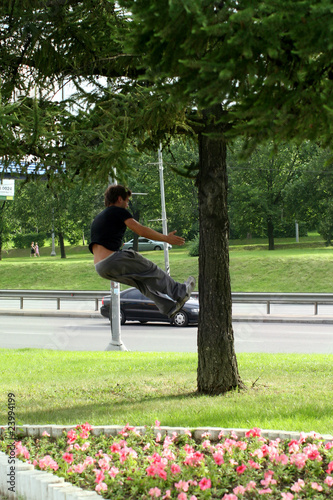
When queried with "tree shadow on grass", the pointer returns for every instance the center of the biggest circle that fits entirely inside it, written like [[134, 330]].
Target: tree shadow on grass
[[144, 411]]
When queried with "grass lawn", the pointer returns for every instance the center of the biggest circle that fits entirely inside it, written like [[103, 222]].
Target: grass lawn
[[303, 267], [291, 392]]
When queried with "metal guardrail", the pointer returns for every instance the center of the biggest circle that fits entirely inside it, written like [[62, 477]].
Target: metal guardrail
[[284, 298], [57, 295], [237, 297]]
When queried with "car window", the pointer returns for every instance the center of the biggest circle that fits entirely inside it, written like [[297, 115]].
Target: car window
[[134, 294]]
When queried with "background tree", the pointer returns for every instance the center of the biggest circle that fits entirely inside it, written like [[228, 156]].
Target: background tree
[[5, 231], [213, 69], [258, 188], [310, 195], [181, 192]]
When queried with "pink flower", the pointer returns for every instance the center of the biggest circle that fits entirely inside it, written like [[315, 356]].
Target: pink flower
[[251, 486], [101, 487], [299, 460], [85, 427], [68, 457], [312, 452], [155, 492], [253, 465], [316, 486], [79, 468], [268, 479], [113, 471], [182, 485], [72, 436], [157, 423], [229, 497], [282, 459], [99, 476], [239, 490], [46, 434], [104, 463], [175, 469], [265, 491], [255, 432], [48, 461], [329, 481], [182, 496], [296, 487], [85, 446], [241, 469], [218, 458], [89, 461], [287, 496], [194, 459], [169, 455], [205, 484], [84, 434], [21, 450]]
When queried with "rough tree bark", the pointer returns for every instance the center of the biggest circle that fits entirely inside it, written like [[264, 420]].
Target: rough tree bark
[[62, 245], [217, 364]]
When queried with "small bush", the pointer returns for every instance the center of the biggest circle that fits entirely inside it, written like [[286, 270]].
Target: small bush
[[24, 240], [194, 247]]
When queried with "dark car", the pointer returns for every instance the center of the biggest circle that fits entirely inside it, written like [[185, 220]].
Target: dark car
[[134, 306]]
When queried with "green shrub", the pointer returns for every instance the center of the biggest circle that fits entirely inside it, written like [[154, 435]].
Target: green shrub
[[24, 240], [194, 247]]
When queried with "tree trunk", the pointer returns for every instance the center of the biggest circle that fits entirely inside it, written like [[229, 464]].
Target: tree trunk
[[217, 364], [62, 245], [270, 232]]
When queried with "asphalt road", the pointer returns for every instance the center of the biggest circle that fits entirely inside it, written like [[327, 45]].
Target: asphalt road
[[93, 334]]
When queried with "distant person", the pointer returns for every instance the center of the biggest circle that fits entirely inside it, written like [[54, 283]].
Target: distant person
[[32, 249], [36, 250], [127, 266]]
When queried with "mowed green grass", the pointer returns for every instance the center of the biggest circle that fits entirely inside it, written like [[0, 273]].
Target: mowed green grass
[[307, 267], [291, 392]]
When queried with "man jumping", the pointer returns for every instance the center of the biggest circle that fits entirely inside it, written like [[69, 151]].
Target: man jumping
[[127, 266]]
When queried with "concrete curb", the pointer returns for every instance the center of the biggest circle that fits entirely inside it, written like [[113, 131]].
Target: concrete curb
[[267, 318], [32, 484]]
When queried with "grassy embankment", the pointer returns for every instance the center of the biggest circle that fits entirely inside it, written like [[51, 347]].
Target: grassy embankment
[[292, 392], [303, 267]]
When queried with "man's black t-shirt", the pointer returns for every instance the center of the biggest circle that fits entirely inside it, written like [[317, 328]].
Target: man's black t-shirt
[[109, 227]]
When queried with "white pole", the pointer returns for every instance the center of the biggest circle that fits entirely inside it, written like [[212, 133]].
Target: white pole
[[164, 217], [116, 343], [297, 231]]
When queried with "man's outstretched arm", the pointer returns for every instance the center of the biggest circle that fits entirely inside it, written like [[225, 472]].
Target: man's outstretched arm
[[147, 232]]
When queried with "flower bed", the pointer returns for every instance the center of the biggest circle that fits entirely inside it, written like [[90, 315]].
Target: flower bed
[[136, 465]]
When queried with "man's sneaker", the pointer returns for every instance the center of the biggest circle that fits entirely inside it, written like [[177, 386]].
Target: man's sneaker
[[190, 284]]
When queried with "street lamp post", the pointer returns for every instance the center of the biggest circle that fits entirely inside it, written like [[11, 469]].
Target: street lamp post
[[164, 217]]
